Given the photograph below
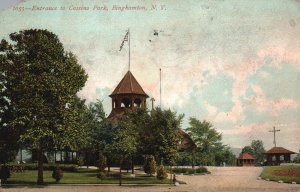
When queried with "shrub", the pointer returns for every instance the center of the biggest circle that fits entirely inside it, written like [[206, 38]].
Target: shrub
[[101, 175], [161, 173], [150, 166], [190, 171], [101, 163], [57, 174], [15, 168], [4, 173], [201, 170], [49, 166]]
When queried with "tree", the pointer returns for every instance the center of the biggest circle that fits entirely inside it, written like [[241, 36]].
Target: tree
[[95, 121], [297, 158], [123, 144], [40, 83], [206, 138], [160, 136], [248, 149], [258, 151]]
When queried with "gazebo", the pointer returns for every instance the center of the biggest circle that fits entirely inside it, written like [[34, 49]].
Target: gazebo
[[245, 159], [278, 155]]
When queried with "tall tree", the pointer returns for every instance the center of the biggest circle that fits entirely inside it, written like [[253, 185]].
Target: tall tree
[[248, 149], [161, 135], [123, 144], [41, 81], [206, 138], [258, 151]]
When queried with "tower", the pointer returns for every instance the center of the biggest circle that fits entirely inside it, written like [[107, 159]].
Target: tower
[[127, 95]]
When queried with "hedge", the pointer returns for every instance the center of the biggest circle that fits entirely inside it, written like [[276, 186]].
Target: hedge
[[46, 166]]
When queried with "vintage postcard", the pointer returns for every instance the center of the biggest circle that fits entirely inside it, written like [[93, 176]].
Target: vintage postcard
[[228, 72]]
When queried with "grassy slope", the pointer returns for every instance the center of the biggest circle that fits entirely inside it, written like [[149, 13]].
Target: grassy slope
[[83, 176], [268, 173]]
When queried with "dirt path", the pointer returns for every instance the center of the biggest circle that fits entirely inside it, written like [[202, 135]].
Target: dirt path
[[221, 179], [235, 179]]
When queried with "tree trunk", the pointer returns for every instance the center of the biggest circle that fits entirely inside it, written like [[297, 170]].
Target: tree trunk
[[193, 159], [108, 164], [21, 156], [120, 172], [40, 157], [87, 159], [132, 165], [61, 156]]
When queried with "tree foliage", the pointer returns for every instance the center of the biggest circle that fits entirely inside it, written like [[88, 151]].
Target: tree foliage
[[257, 150], [206, 138], [40, 84], [150, 165], [161, 137]]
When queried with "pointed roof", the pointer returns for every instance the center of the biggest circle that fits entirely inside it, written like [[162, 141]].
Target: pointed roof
[[128, 85], [279, 150], [246, 156]]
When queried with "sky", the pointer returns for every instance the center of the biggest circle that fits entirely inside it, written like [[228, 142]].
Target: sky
[[233, 63]]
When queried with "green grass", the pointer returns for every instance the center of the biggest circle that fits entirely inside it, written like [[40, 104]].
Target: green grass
[[82, 176], [270, 173]]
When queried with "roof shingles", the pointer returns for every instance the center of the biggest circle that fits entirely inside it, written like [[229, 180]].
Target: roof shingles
[[128, 85]]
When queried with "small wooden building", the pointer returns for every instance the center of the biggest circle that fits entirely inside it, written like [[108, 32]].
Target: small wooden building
[[245, 159], [278, 155]]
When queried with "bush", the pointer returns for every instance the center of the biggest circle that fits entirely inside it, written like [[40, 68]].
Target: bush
[[15, 168], [189, 170], [161, 173], [50, 167], [150, 166], [201, 170], [101, 163], [4, 173], [101, 175], [57, 174]]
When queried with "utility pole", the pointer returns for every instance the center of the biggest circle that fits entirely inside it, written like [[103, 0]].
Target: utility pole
[[274, 131]]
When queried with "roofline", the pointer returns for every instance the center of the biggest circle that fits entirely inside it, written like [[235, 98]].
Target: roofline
[[128, 94]]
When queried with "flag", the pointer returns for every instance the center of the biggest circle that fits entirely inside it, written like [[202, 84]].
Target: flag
[[125, 39]]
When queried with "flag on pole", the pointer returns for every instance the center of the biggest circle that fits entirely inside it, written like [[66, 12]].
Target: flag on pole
[[125, 39]]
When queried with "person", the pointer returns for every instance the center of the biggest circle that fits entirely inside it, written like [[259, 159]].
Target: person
[[174, 178]]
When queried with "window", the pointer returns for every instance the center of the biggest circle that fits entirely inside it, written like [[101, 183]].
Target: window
[[125, 102]]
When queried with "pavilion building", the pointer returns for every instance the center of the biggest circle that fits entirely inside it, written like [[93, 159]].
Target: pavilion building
[[278, 155], [245, 159]]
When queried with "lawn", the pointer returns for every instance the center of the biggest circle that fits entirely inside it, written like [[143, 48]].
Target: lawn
[[82, 176], [286, 174]]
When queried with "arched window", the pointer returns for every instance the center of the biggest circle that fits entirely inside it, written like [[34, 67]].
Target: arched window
[[137, 103], [125, 102]]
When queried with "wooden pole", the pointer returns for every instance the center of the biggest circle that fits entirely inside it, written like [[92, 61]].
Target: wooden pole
[[129, 49]]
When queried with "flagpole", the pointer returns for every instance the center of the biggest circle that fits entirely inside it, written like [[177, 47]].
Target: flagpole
[[160, 85], [129, 49]]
